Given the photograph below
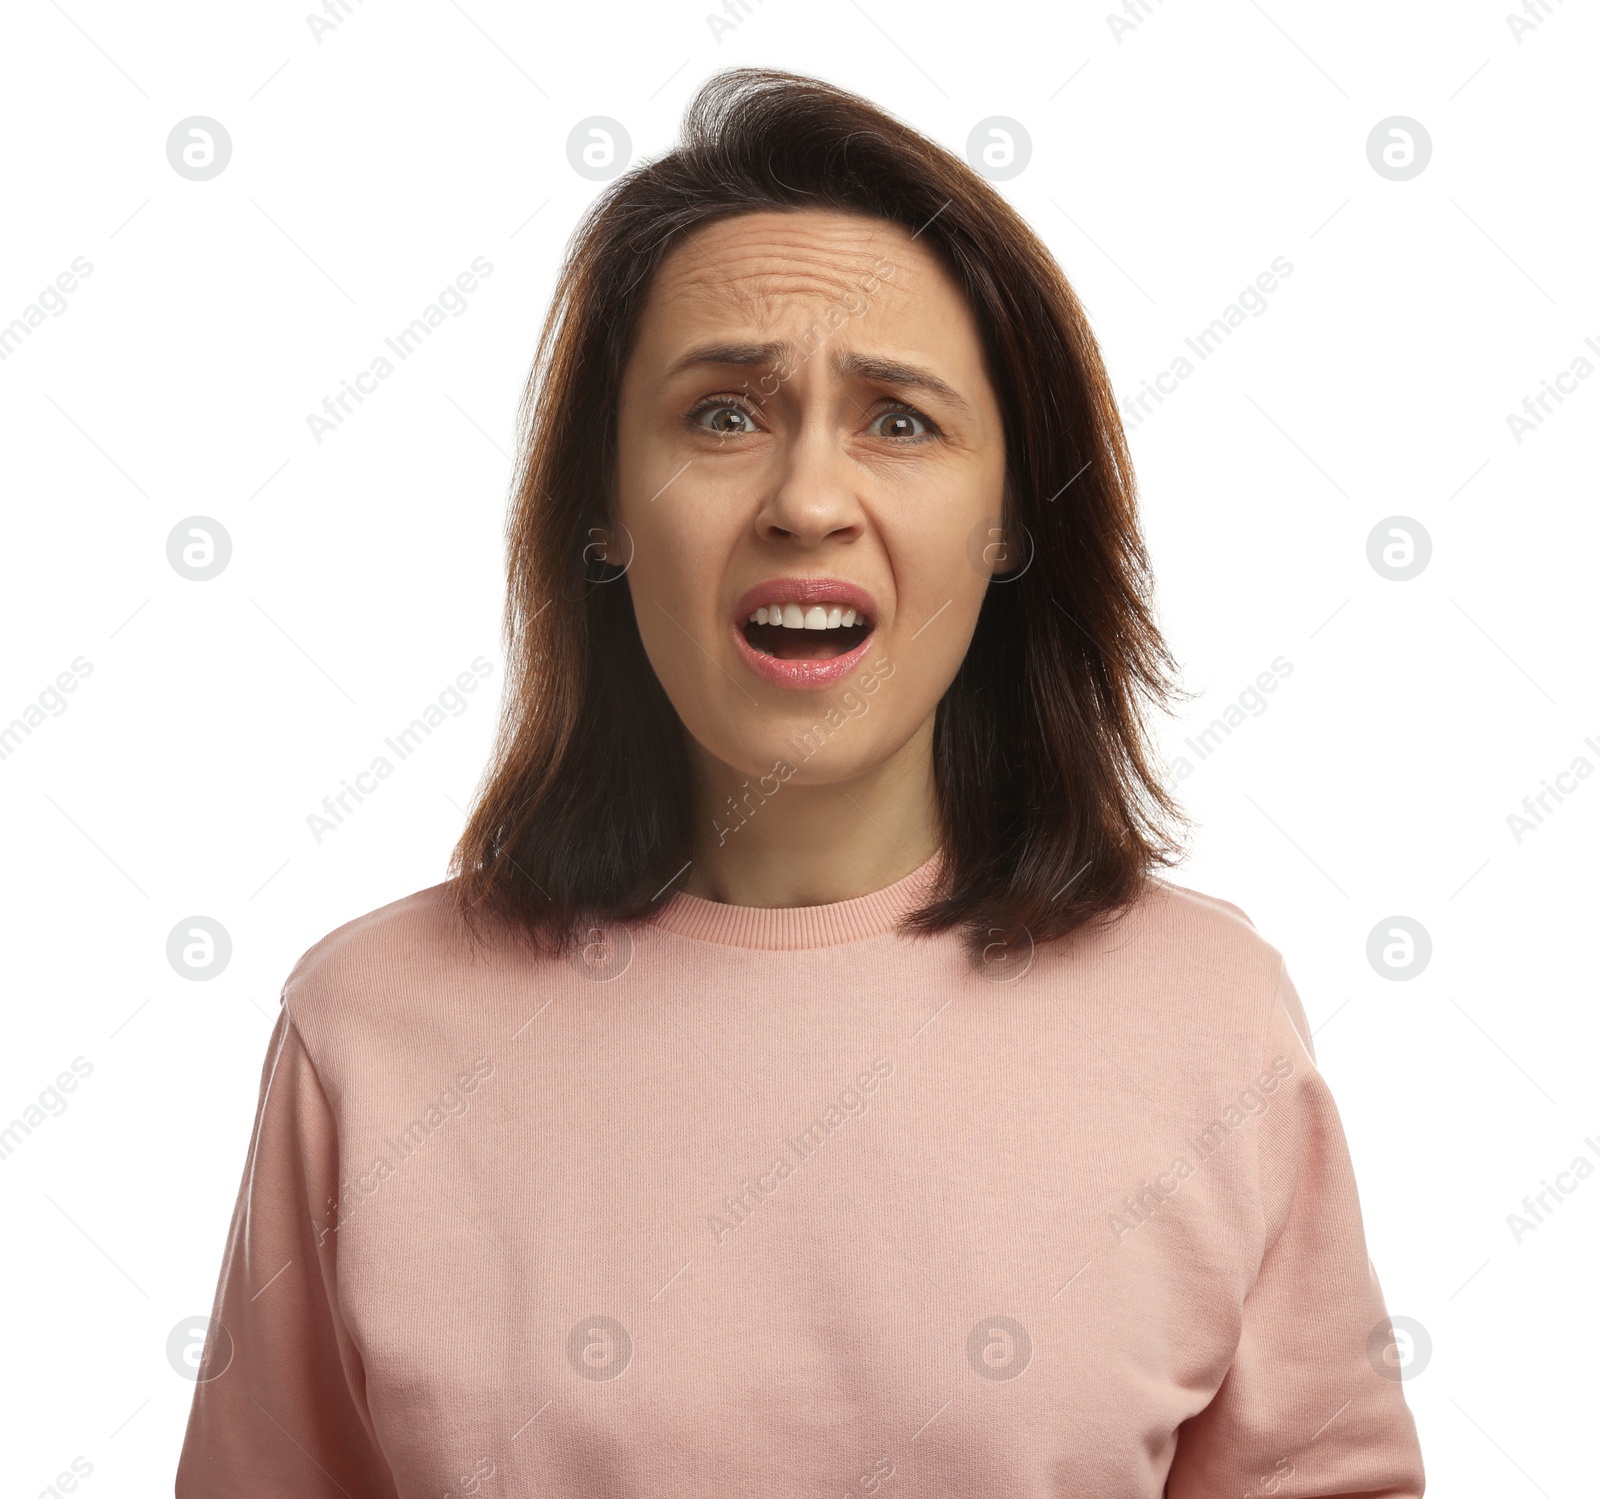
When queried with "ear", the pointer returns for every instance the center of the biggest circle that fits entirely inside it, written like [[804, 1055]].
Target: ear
[[597, 545], [1003, 552], [607, 550]]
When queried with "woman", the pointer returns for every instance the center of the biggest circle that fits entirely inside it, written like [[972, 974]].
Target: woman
[[805, 1083]]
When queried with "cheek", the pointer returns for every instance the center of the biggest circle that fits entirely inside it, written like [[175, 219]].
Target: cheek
[[942, 568], [674, 582], [942, 580], [683, 539], [661, 600]]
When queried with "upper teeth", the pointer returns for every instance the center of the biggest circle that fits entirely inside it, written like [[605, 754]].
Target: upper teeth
[[797, 617]]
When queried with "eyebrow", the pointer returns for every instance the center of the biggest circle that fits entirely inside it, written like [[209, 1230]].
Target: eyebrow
[[781, 352]]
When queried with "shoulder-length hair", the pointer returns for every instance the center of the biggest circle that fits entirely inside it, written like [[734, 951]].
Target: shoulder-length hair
[[1050, 812]]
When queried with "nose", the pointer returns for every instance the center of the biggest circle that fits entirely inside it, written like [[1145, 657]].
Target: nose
[[814, 496]]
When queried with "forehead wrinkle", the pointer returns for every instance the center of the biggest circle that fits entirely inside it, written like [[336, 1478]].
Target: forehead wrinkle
[[774, 259], [684, 281], [747, 270], [761, 290]]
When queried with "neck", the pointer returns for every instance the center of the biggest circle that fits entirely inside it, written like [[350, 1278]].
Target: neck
[[786, 841]]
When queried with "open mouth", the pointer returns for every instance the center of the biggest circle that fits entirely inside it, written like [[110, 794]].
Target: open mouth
[[806, 632]]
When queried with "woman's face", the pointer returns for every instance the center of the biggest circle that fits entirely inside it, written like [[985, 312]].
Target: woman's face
[[806, 429]]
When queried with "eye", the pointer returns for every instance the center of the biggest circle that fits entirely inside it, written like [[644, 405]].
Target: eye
[[717, 414], [903, 424]]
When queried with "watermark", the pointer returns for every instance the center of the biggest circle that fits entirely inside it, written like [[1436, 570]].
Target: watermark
[[596, 562], [999, 552], [199, 548], [199, 148], [835, 315], [1398, 548], [1534, 14], [1399, 148], [1251, 302], [851, 1103], [1538, 1206], [50, 702], [362, 1186], [877, 1473], [199, 948], [599, 1348], [1006, 956], [51, 301], [68, 1479], [49, 1103], [470, 1483], [1134, 14], [1399, 948], [734, 14], [1250, 703], [999, 1348], [1270, 1483], [334, 13], [741, 805], [199, 1349], [1138, 1208], [1537, 806], [450, 703], [999, 148], [1399, 1348], [749, 800], [606, 953], [451, 302], [808, 741], [598, 148], [1536, 407]]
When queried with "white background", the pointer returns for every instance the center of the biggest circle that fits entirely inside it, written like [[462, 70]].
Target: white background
[[1168, 168]]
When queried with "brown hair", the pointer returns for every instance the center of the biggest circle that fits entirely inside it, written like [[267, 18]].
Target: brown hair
[[1050, 813]]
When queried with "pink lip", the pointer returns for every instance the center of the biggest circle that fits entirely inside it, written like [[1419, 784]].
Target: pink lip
[[803, 675], [805, 591]]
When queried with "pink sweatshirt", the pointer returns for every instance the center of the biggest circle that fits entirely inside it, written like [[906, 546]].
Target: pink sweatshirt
[[780, 1202]]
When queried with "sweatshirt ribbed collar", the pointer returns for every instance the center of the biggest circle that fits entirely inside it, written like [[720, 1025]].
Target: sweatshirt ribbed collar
[[795, 927]]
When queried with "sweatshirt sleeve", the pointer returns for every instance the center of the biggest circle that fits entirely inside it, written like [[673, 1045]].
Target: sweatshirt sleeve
[[279, 1409], [1310, 1406]]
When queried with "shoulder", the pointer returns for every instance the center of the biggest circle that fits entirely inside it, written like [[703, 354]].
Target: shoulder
[[1196, 926], [375, 970], [1190, 960]]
